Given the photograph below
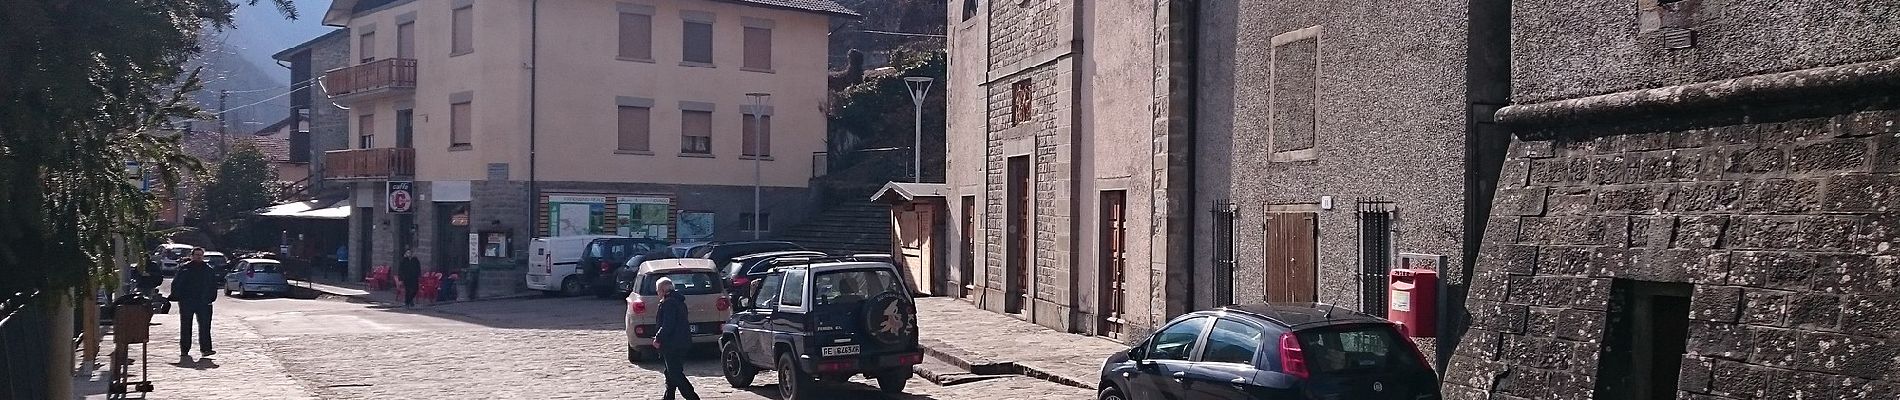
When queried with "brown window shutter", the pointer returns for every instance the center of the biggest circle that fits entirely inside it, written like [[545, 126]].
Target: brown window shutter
[[758, 48], [459, 123], [635, 128], [636, 36]]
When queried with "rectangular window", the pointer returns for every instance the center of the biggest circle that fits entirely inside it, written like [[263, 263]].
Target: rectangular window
[[697, 43], [1293, 95], [406, 40], [462, 40], [635, 128], [365, 131], [793, 292], [636, 36], [696, 132], [763, 223], [758, 135], [758, 48], [459, 126], [366, 47], [1021, 94], [1644, 337]]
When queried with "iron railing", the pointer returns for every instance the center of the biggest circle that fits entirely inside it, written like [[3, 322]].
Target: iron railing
[[1225, 218], [1375, 254]]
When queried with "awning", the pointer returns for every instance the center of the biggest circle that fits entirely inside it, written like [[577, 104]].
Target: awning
[[898, 192], [311, 209]]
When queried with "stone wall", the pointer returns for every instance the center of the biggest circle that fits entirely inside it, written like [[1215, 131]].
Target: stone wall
[[329, 125], [1785, 229]]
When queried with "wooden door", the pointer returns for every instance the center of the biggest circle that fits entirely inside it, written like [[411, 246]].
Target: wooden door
[[1017, 265], [1292, 262], [966, 263], [1114, 260]]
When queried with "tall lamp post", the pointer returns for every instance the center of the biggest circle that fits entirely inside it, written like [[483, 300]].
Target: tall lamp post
[[758, 101], [919, 88]]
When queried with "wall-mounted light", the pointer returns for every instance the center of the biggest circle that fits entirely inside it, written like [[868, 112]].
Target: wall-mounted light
[[1326, 202]]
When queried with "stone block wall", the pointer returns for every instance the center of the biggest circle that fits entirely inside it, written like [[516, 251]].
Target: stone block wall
[[1786, 230]]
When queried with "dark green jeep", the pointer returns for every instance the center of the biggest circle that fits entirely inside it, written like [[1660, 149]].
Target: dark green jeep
[[824, 319]]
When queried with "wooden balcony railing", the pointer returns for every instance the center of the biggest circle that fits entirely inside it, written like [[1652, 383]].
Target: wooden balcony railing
[[368, 164], [388, 73]]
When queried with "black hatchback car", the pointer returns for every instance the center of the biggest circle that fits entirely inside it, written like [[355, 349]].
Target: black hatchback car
[[1301, 351], [824, 319]]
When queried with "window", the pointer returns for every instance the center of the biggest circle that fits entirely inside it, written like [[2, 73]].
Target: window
[[459, 123], [758, 48], [365, 131], [688, 283], [1021, 95], [852, 286], [697, 43], [696, 132], [793, 293], [635, 127], [1357, 349], [969, 9], [636, 36], [1232, 342], [462, 40], [1644, 336], [366, 47], [1177, 342], [764, 222], [758, 135], [768, 290], [406, 40], [1293, 95]]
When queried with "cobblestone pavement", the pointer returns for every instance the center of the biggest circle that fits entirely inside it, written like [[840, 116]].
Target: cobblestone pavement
[[991, 337], [570, 348]]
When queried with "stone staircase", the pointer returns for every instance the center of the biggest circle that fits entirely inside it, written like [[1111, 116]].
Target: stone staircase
[[848, 226]]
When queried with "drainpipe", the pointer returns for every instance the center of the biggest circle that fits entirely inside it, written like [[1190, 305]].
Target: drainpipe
[[534, 68]]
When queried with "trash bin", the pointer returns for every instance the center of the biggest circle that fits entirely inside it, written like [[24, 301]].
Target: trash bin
[[131, 323]]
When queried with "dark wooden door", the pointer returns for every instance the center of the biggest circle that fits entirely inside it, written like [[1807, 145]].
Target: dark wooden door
[[1292, 265], [966, 261], [1018, 264], [1114, 261]]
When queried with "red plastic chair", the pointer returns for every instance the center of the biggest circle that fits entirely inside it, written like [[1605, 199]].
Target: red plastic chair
[[426, 289]]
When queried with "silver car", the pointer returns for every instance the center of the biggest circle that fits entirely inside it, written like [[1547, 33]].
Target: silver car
[[706, 303], [256, 275]]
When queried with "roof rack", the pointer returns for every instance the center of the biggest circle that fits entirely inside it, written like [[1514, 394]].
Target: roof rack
[[806, 260]]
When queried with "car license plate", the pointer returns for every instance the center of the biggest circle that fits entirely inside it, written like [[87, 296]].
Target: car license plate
[[692, 328], [838, 351]]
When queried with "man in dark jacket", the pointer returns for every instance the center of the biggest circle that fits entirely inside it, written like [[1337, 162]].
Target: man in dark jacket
[[410, 273], [194, 289], [675, 339]]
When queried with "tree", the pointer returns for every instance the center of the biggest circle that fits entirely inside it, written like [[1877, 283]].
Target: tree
[[241, 184], [86, 86]]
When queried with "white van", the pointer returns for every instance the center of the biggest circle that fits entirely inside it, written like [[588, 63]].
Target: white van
[[552, 262]]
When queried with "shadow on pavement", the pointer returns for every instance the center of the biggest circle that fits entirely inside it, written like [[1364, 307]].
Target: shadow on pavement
[[199, 364], [563, 313]]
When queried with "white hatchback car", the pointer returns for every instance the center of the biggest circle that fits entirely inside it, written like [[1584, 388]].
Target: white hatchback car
[[706, 303]]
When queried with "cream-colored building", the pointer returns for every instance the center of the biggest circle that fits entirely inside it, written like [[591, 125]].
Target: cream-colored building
[[521, 119]]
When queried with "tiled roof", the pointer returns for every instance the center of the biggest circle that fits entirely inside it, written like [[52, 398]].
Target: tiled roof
[[822, 6]]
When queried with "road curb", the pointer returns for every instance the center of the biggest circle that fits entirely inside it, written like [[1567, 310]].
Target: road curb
[[978, 365]]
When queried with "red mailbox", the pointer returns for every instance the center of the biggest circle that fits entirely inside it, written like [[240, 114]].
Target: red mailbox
[[1414, 301]]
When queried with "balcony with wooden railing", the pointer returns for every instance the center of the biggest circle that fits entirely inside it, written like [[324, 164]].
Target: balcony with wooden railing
[[371, 80], [369, 164]]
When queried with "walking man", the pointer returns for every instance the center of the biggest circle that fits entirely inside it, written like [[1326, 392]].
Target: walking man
[[675, 339], [194, 289], [410, 273]]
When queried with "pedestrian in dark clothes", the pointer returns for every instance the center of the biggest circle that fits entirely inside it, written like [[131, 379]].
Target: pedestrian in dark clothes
[[410, 273], [194, 289], [675, 339]]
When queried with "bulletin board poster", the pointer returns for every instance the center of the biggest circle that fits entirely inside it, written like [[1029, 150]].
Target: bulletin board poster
[[695, 226], [577, 215], [643, 217]]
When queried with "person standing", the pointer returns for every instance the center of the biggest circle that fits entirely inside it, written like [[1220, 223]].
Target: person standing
[[675, 339], [194, 289], [410, 275], [343, 263]]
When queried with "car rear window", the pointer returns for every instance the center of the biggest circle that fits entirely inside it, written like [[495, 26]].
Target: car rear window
[[1355, 348], [176, 252], [263, 267], [215, 260], [688, 283], [852, 286]]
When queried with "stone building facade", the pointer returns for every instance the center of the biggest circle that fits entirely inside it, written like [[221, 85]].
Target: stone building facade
[[1054, 107], [324, 126], [1696, 204]]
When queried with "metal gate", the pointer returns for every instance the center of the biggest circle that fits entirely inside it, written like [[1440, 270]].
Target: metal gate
[[1114, 262], [1224, 220], [1017, 296], [1375, 255]]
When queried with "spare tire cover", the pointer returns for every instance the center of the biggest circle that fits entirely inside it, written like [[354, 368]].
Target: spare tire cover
[[891, 319]]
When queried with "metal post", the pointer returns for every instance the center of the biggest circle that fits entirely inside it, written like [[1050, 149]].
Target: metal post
[[758, 121], [224, 145], [919, 88]]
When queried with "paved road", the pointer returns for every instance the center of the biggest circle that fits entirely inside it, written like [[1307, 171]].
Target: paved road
[[571, 348]]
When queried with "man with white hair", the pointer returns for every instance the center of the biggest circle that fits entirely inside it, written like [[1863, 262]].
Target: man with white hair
[[675, 339]]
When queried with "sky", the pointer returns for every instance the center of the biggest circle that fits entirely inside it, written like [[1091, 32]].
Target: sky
[[262, 31]]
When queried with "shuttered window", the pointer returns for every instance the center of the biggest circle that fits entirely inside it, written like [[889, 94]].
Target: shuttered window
[[697, 43], [758, 135], [636, 36], [406, 40], [365, 131], [366, 47], [459, 114], [635, 128], [758, 48], [463, 37], [696, 132]]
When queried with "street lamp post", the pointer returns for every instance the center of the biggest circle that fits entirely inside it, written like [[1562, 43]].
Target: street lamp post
[[919, 88], [759, 101]]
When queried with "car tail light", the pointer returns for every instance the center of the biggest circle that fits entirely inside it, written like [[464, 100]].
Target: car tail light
[[834, 366], [741, 281], [638, 305], [1292, 360], [604, 267], [917, 358], [723, 304], [640, 330]]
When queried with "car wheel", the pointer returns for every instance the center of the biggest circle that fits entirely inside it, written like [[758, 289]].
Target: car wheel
[[572, 287], [1111, 393], [893, 381], [633, 355], [738, 372], [792, 383]]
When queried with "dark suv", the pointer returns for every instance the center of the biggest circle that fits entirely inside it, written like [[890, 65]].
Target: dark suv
[[743, 269], [824, 318], [602, 258], [1272, 351]]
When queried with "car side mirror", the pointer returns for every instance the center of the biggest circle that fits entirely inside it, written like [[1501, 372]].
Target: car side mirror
[[1139, 353]]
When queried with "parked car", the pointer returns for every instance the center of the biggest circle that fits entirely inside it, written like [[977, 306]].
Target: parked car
[[220, 265], [256, 275], [599, 262], [169, 256], [743, 269], [553, 263], [1271, 351], [624, 277], [706, 303], [723, 252], [824, 319]]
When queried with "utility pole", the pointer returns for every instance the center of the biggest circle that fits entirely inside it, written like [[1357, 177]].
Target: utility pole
[[224, 144], [919, 88], [758, 128]]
